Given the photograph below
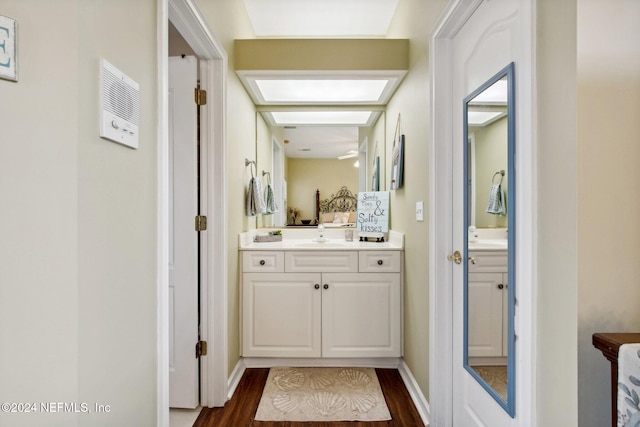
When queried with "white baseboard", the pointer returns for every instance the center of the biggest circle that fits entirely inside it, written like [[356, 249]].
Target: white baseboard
[[234, 379], [416, 394], [414, 391], [268, 362]]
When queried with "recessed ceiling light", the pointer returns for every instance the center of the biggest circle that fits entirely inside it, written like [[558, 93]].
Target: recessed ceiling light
[[322, 90], [354, 118]]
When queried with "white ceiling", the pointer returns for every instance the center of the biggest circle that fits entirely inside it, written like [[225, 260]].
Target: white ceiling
[[320, 18], [323, 141]]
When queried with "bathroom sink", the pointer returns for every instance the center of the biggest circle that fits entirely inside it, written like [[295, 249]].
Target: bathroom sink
[[488, 244], [322, 245]]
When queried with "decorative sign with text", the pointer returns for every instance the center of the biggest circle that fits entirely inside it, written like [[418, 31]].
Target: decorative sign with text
[[373, 212]]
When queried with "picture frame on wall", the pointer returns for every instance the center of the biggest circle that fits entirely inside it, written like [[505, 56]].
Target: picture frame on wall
[[397, 164], [8, 48], [375, 178], [397, 158]]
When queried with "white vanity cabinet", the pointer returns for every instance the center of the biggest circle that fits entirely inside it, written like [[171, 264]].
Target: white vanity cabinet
[[322, 304], [487, 314]]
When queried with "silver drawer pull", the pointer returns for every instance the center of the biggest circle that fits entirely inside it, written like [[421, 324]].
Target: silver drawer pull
[[380, 262], [262, 262]]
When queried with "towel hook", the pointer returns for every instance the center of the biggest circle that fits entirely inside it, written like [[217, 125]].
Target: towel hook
[[268, 176], [501, 173], [248, 162]]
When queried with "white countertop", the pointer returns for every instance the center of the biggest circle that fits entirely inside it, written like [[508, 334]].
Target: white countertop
[[488, 245], [303, 242]]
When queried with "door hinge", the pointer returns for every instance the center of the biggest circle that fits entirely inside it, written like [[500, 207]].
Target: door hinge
[[200, 96], [201, 223], [201, 349]]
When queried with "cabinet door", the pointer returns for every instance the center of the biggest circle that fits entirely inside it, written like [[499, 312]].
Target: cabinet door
[[485, 314], [361, 315], [281, 314]]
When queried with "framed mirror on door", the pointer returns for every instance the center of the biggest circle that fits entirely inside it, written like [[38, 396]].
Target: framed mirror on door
[[489, 236]]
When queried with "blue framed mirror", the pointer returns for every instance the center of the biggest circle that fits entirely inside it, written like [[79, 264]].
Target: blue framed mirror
[[489, 242]]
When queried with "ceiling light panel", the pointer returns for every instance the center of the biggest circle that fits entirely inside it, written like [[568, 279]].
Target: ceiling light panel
[[330, 18], [300, 91], [318, 118]]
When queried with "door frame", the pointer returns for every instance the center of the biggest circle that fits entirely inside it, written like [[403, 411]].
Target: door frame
[[186, 17], [443, 106]]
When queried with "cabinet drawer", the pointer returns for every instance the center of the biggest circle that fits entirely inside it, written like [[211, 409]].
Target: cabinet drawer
[[321, 262], [263, 261], [379, 261], [488, 262]]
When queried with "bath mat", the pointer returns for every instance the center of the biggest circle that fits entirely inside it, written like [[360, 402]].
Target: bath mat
[[322, 394]]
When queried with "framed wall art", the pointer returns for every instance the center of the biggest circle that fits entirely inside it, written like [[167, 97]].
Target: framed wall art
[[8, 48], [397, 158]]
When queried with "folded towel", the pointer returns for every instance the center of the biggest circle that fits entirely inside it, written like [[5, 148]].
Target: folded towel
[[255, 202], [496, 204], [629, 385], [270, 200]]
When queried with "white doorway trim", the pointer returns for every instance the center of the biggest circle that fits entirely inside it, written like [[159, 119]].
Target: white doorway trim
[[188, 20], [443, 106]]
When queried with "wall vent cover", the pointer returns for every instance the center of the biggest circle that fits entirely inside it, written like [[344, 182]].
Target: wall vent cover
[[119, 106]]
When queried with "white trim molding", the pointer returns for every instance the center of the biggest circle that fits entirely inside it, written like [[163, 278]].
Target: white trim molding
[[188, 20]]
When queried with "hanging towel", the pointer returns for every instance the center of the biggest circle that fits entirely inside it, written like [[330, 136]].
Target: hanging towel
[[270, 201], [629, 385], [496, 205], [255, 202]]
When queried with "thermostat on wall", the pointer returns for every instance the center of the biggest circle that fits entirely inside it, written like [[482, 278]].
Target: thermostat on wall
[[119, 106]]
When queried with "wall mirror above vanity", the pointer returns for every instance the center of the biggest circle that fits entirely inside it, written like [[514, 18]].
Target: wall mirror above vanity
[[318, 161], [489, 230]]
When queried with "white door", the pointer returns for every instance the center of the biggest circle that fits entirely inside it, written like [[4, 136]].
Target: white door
[[183, 239], [483, 47]]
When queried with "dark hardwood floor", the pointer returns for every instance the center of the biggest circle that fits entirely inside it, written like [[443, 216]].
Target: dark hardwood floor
[[241, 409]]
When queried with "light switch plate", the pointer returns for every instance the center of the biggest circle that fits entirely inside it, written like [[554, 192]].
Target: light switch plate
[[419, 211]]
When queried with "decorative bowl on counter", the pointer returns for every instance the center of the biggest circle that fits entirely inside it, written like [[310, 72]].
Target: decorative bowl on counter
[[305, 221]]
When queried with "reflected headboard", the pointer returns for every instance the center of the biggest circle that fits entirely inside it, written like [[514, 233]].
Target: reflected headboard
[[342, 201]]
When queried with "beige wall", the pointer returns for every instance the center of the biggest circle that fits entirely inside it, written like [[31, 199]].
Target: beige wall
[[608, 107], [411, 100], [305, 176], [78, 304], [557, 280], [38, 222]]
